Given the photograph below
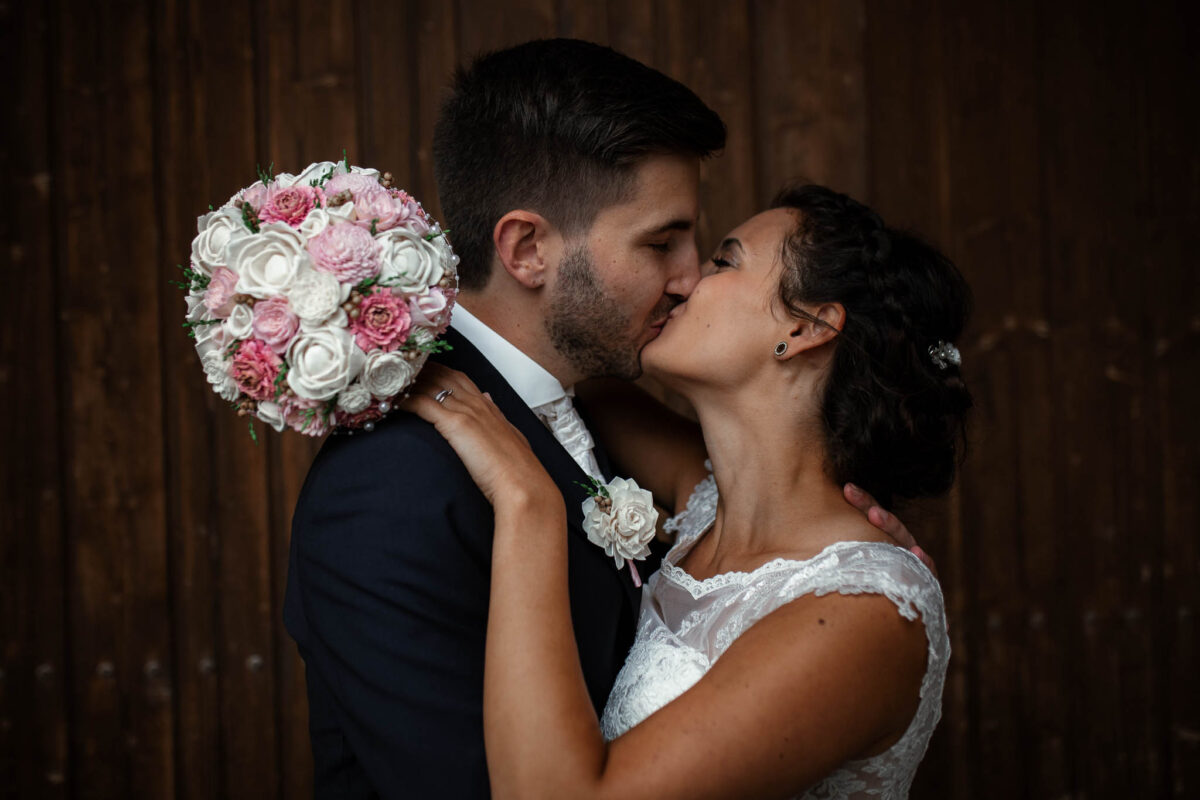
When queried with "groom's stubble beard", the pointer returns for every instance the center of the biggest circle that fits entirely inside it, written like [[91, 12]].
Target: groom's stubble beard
[[588, 326]]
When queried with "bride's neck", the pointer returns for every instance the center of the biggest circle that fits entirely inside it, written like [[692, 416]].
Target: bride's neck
[[769, 465]]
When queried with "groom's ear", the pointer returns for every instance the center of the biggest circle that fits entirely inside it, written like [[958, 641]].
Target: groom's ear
[[523, 240]]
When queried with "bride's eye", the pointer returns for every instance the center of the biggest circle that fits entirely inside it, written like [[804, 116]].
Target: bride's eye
[[720, 263]]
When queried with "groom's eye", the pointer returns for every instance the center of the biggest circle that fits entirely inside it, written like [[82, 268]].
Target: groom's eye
[[660, 247]]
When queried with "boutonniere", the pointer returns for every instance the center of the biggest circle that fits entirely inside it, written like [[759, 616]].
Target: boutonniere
[[620, 517]]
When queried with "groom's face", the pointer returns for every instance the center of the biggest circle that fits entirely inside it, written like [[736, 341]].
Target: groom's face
[[618, 281]]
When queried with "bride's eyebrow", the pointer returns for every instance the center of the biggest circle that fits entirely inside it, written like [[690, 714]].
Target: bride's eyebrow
[[730, 244]]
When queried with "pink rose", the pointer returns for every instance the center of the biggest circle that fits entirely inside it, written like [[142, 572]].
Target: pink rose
[[254, 194], [377, 207], [383, 321], [288, 205], [255, 367], [357, 183], [274, 323], [304, 416], [415, 219], [222, 288], [345, 251], [431, 309]]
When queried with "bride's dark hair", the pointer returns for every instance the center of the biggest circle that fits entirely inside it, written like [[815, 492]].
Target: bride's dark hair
[[894, 419]]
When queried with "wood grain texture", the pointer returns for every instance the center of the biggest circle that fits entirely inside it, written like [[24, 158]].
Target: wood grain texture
[[1050, 149]]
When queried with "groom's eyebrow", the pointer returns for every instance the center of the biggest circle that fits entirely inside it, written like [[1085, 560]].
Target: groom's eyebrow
[[684, 225]]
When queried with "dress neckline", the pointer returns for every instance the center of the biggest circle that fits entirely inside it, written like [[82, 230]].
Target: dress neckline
[[698, 587]]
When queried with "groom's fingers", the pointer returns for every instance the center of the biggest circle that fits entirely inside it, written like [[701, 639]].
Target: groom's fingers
[[886, 521]]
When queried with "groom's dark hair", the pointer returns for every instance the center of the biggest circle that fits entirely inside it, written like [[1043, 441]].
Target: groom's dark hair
[[555, 126]]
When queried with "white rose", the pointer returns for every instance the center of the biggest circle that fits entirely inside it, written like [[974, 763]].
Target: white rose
[[271, 413], [368, 171], [409, 262], [208, 337], [354, 398], [387, 374], [216, 230], [267, 262], [342, 213], [317, 220], [626, 528], [323, 362], [239, 323], [313, 172], [284, 180], [218, 375], [315, 296]]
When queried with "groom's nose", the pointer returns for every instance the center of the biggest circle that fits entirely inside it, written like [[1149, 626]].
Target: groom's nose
[[685, 272]]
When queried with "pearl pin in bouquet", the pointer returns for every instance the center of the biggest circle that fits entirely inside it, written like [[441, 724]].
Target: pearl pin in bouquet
[[315, 299]]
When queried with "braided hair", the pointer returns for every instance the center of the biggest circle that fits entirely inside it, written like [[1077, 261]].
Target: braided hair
[[894, 417]]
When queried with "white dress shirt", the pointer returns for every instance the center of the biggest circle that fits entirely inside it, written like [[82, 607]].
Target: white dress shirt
[[534, 384]]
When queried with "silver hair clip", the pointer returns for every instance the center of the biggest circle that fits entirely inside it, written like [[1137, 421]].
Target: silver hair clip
[[943, 354]]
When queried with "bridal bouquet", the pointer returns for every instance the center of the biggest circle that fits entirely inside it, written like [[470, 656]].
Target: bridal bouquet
[[314, 299]]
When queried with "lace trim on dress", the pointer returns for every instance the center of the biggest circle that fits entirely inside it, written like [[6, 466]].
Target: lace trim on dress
[[686, 625]]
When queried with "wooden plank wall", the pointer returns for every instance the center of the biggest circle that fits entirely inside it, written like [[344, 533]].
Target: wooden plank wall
[[1050, 147]]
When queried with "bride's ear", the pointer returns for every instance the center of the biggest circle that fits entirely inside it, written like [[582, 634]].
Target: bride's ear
[[522, 239], [807, 333]]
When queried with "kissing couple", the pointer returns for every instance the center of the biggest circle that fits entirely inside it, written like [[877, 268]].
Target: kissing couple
[[462, 634]]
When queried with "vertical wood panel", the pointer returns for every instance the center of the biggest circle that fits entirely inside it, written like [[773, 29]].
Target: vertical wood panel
[[706, 45], [204, 81], [33, 696], [108, 279], [807, 61], [234, 540]]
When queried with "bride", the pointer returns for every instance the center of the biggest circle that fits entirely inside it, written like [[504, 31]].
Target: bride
[[785, 647]]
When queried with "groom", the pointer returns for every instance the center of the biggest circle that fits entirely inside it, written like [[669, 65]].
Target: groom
[[568, 175]]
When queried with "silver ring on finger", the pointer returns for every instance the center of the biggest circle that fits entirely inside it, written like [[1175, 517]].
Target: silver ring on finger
[[442, 395]]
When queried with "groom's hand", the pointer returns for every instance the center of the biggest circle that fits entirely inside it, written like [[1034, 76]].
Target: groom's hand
[[887, 522]]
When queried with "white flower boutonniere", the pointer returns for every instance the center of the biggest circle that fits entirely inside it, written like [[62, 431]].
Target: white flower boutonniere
[[621, 518]]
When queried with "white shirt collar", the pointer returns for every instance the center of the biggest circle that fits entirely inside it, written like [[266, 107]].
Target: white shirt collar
[[531, 381]]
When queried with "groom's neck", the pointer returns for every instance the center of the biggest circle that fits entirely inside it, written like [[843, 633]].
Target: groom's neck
[[519, 319]]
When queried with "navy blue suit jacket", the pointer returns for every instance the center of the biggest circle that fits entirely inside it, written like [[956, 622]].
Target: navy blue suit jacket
[[387, 599]]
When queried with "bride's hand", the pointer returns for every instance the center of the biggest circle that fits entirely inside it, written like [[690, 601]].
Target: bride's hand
[[496, 454]]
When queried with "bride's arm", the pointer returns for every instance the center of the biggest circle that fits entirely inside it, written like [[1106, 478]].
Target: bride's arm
[[659, 448], [818, 682]]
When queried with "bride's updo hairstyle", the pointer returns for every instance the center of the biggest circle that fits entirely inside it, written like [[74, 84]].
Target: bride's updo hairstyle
[[894, 418]]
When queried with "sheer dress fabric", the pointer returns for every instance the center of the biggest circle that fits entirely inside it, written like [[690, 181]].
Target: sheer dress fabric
[[685, 625]]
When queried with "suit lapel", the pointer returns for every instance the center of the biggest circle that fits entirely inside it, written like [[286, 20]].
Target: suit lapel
[[567, 475]]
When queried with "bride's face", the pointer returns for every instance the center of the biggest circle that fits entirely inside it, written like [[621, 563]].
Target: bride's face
[[727, 328]]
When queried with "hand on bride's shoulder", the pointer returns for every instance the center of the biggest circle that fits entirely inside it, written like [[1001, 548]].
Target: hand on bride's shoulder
[[496, 454]]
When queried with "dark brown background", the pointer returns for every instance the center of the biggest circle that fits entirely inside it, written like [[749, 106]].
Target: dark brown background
[[1050, 146]]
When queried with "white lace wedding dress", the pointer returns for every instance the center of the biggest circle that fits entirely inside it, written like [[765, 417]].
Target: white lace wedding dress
[[686, 625]]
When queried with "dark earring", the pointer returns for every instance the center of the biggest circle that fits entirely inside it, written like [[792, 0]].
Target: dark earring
[[780, 349]]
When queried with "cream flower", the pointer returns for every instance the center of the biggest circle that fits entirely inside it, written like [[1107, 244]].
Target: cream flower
[[323, 362], [387, 374], [216, 230], [354, 398], [315, 296], [272, 414], [410, 263], [623, 523], [215, 369], [267, 262]]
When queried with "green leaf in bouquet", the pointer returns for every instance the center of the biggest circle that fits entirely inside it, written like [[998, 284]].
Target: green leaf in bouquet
[[266, 176], [249, 218]]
